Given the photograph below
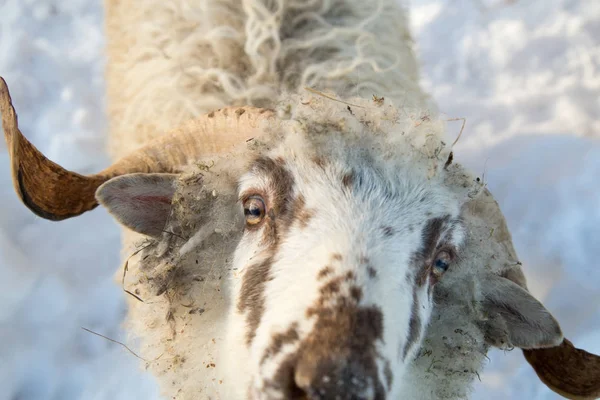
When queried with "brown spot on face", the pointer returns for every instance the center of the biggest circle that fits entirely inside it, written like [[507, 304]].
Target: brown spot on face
[[299, 204], [211, 114], [331, 351], [341, 347], [331, 288], [239, 112], [319, 162], [305, 217], [348, 180], [303, 214], [388, 231], [252, 298], [327, 270], [279, 340], [350, 276], [356, 293], [336, 257]]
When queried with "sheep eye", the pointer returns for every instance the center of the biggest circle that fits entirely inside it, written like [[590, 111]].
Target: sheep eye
[[254, 210], [441, 263]]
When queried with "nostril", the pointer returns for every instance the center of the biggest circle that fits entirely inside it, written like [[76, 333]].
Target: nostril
[[296, 386], [312, 383], [302, 381], [332, 379], [300, 386]]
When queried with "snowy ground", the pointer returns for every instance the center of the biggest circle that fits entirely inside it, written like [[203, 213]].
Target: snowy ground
[[525, 74]]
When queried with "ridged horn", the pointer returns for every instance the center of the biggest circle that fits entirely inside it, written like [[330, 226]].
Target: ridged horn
[[55, 193], [571, 372]]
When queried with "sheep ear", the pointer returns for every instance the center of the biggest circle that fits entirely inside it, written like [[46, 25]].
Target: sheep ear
[[515, 317], [141, 202]]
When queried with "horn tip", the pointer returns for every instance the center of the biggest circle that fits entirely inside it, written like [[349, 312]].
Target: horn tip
[[571, 372], [9, 115]]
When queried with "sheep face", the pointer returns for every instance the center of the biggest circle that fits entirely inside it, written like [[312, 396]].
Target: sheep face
[[334, 254], [335, 271], [334, 237]]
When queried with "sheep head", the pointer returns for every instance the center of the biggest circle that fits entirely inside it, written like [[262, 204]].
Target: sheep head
[[346, 230]]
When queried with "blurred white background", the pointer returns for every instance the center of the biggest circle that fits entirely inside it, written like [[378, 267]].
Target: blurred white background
[[525, 74]]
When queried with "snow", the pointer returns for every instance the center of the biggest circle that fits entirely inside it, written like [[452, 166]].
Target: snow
[[525, 75]]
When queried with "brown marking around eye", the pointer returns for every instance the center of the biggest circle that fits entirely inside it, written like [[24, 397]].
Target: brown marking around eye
[[280, 216], [422, 258]]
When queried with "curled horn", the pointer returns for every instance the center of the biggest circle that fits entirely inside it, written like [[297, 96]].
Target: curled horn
[[55, 193], [571, 372]]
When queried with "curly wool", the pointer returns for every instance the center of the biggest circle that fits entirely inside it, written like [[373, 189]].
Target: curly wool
[[172, 61]]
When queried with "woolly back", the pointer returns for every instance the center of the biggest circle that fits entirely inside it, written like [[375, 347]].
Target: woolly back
[[170, 61]]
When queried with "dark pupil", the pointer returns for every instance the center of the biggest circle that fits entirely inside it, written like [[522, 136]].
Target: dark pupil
[[253, 211], [441, 264]]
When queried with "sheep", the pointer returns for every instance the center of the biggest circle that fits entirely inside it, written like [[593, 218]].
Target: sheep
[[281, 241]]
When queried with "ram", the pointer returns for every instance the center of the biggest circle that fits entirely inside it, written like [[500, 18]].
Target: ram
[[288, 235]]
